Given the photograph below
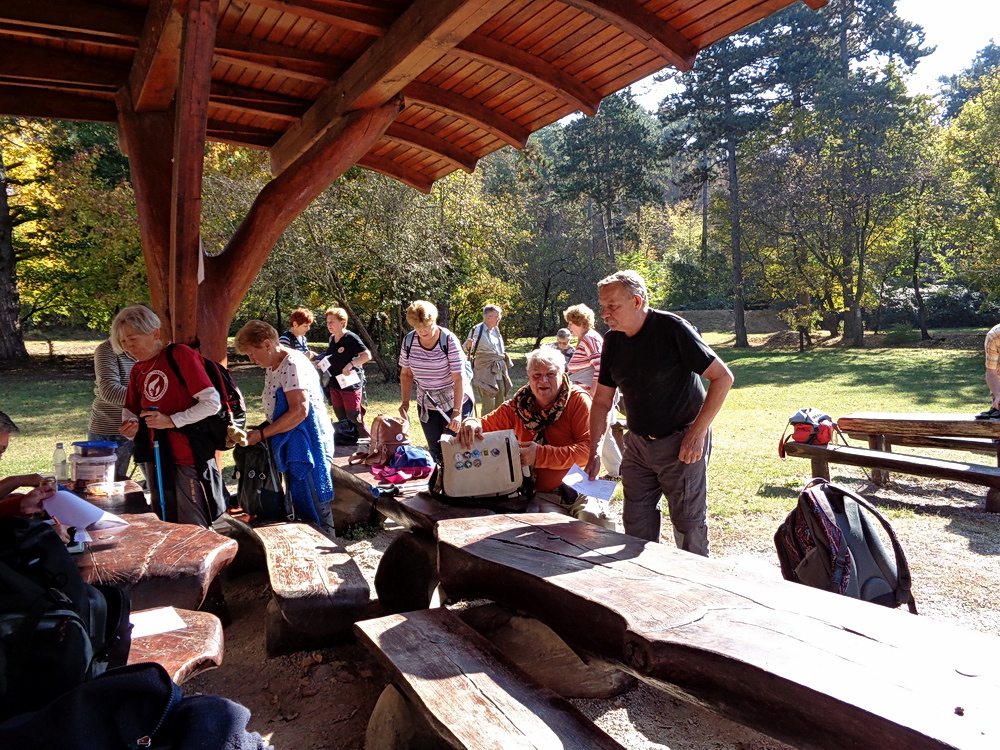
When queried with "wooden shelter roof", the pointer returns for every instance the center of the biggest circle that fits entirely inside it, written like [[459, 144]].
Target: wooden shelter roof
[[474, 75]]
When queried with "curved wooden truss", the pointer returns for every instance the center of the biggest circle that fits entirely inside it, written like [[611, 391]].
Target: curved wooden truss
[[421, 87]]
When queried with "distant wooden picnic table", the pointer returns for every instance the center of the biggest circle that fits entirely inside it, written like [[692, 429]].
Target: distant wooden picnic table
[[812, 668], [883, 430]]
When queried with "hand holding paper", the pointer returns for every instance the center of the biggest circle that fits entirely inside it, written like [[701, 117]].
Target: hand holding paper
[[602, 489]]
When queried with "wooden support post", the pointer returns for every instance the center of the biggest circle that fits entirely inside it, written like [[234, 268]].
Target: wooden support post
[[191, 112], [880, 477]]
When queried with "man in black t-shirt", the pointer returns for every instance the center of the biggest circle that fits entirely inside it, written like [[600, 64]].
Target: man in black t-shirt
[[657, 360]]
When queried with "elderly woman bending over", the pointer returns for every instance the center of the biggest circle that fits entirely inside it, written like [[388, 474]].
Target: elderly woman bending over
[[168, 391], [298, 428], [432, 357]]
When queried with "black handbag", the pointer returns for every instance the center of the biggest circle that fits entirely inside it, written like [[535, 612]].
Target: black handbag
[[260, 492]]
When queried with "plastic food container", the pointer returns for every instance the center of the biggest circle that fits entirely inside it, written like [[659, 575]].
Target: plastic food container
[[103, 489], [92, 469], [92, 448]]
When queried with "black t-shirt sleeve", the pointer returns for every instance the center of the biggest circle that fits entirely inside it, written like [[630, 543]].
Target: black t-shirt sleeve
[[695, 354]]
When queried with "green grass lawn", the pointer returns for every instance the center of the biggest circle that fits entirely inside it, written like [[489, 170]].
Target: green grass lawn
[[746, 475]]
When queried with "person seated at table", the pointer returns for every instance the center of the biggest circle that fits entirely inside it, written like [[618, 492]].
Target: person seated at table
[[299, 323], [299, 429], [168, 389], [19, 503], [551, 418]]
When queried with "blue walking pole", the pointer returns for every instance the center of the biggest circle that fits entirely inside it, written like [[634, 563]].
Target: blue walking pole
[[159, 472]]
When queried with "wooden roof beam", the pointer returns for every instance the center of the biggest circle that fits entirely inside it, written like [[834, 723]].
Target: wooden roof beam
[[260, 54], [468, 110], [371, 18], [29, 62], [432, 144], [156, 66], [27, 101], [425, 30], [815, 4], [647, 27], [75, 15], [397, 171], [525, 65]]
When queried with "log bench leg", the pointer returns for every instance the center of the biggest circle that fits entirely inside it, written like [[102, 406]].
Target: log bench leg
[[407, 574], [880, 477], [820, 468], [394, 725], [993, 500]]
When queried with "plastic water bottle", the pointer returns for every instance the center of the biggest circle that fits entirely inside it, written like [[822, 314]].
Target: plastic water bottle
[[60, 467]]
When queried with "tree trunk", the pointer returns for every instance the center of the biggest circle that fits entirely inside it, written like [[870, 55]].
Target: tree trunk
[[704, 222], [11, 336], [735, 236], [917, 294]]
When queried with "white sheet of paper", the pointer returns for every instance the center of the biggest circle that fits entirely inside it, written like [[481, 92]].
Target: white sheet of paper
[[323, 364], [71, 510], [602, 489], [346, 381], [155, 621]]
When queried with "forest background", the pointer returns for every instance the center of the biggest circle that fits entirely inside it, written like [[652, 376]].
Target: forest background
[[789, 170]]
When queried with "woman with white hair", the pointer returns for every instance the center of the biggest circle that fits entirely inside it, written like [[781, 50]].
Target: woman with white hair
[[551, 418], [168, 391], [490, 363]]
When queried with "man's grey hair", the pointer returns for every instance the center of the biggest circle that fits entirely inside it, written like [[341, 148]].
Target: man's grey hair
[[7, 425], [492, 308], [547, 356], [632, 281], [137, 317]]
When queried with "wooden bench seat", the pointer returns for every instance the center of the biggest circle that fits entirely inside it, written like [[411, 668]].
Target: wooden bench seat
[[183, 653], [809, 667], [823, 455], [973, 445], [453, 684], [317, 589]]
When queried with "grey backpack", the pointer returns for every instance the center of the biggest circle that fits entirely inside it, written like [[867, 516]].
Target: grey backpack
[[829, 541]]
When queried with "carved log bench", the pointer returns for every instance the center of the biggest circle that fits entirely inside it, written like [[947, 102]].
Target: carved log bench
[[809, 667], [452, 689], [823, 455], [317, 589], [183, 653]]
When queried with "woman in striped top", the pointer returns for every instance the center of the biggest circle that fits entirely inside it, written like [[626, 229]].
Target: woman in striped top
[[585, 364], [299, 323], [432, 357]]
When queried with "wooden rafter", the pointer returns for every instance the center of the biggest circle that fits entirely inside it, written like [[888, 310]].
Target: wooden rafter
[[259, 54], [397, 171], [417, 39], [368, 18], [647, 27], [74, 15], [468, 110], [432, 144], [525, 65], [30, 101], [19, 60], [153, 79]]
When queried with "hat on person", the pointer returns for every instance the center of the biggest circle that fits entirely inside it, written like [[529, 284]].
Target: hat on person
[[563, 333]]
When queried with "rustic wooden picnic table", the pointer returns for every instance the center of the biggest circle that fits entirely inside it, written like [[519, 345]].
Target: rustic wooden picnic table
[[883, 430], [812, 668]]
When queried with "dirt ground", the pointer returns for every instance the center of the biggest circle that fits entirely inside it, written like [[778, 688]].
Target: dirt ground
[[322, 700]]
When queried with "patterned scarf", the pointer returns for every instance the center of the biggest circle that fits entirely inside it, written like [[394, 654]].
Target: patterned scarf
[[537, 421]]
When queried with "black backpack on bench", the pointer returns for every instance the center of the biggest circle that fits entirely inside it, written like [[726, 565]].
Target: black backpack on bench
[[829, 542], [56, 631]]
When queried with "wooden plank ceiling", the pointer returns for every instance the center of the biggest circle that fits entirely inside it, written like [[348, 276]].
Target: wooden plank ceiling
[[475, 75]]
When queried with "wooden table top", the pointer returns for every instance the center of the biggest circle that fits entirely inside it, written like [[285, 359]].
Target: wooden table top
[[160, 564], [938, 425], [810, 667]]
